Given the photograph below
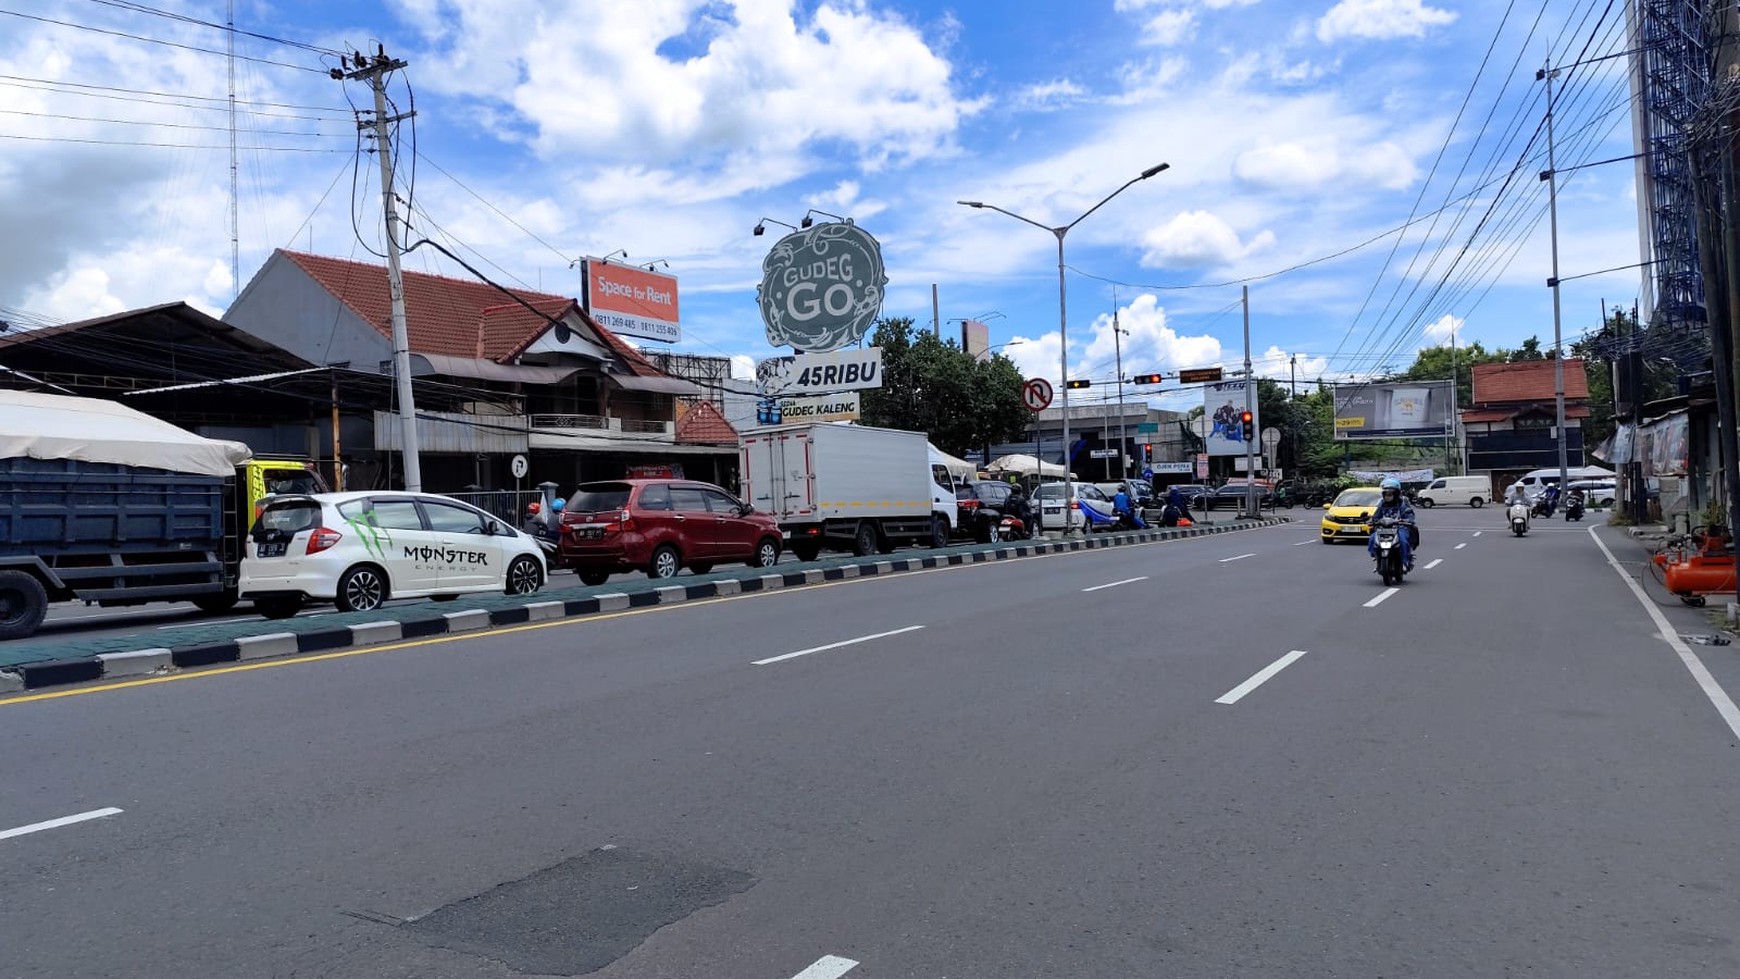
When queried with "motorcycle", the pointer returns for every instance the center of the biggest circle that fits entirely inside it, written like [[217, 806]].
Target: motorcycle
[[1545, 506], [1389, 564], [1574, 507], [1519, 518], [1012, 527]]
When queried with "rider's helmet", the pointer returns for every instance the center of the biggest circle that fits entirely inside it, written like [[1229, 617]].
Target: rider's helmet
[[1391, 488], [558, 504]]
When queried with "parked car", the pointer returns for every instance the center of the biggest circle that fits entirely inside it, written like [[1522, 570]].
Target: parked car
[[359, 549], [981, 507], [1348, 517], [661, 526], [1193, 493], [1049, 498], [1232, 497], [1597, 492], [1445, 490], [1141, 491]]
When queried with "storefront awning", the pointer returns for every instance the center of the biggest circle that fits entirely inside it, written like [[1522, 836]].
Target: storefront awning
[[444, 365], [655, 385]]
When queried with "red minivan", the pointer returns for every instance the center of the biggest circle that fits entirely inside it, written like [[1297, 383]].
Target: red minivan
[[661, 526]]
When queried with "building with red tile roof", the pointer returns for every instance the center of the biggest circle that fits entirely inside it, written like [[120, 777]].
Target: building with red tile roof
[[1511, 427]]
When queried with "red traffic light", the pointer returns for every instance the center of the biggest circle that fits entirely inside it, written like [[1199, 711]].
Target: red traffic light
[[1146, 379], [1245, 418]]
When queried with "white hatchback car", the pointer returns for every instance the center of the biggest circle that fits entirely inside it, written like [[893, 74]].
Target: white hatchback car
[[359, 549]]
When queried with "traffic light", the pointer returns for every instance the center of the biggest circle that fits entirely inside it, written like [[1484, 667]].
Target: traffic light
[[1247, 424], [1146, 379], [1078, 385]]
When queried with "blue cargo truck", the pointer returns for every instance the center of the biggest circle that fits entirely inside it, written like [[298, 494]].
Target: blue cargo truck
[[104, 504]]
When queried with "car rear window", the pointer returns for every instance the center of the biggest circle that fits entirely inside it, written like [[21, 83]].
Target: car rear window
[[598, 497], [282, 482], [289, 517]]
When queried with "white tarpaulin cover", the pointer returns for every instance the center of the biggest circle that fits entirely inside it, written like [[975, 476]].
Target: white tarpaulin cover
[[1025, 465], [52, 426]]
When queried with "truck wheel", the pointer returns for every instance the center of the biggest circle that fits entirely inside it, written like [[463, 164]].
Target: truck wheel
[[23, 603], [279, 607], [806, 550], [864, 543], [939, 532], [216, 604]]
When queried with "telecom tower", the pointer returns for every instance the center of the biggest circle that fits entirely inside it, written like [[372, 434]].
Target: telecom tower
[[1673, 61]]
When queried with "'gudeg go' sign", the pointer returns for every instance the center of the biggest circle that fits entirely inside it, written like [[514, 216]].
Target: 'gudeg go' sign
[[821, 287]]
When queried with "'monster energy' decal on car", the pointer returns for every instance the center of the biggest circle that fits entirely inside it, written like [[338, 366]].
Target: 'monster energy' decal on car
[[446, 555]]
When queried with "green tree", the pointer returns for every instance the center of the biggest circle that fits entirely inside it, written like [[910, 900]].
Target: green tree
[[933, 386], [1433, 364], [1530, 350]]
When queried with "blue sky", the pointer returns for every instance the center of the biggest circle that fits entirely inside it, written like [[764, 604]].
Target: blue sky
[[1295, 132]]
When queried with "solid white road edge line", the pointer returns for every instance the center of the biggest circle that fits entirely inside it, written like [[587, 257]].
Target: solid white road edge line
[[57, 823], [827, 967], [1259, 678], [1718, 697], [1240, 557], [1382, 596], [1460, 546], [1126, 581], [1435, 562], [834, 645]]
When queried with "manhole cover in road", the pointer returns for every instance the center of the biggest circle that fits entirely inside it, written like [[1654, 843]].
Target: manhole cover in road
[[580, 915]]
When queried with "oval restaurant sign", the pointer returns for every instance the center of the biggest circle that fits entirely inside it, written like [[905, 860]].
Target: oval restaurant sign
[[821, 287]]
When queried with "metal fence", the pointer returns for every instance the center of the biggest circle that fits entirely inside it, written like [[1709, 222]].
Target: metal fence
[[510, 505]]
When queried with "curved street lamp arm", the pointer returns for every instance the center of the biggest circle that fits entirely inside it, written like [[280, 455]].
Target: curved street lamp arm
[[1144, 175], [993, 207]]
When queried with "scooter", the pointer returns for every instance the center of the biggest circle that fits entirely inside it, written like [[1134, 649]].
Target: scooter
[[1574, 507], [1012, 527], [1545, 506], [1519, 518], [1389, 564]]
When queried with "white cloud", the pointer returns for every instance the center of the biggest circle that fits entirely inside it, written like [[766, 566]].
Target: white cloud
[[667, 82], [1280, 365], [743, 367], [1050, 95], [1169, 27], [1199, 238], [1152, 344], [77, 294], [1316, 161], [1439, 333], [1380, 19]]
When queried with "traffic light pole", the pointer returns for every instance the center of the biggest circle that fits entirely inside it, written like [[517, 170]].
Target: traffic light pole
[[1250, 412]]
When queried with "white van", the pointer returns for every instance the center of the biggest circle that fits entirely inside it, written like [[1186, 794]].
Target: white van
[[1540, 479], [1445, 490]]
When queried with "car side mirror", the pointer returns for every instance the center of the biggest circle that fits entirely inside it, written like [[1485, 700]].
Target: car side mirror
[[1328, 506], [745, 509]]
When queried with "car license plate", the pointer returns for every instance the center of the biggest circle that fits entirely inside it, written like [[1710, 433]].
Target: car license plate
[[591, 533], [270, 550]]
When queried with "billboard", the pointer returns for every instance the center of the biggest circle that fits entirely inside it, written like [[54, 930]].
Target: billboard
[[630, 301], [810, 374], [1223, 406], [821, 287], [1392, 409], [833, 408]]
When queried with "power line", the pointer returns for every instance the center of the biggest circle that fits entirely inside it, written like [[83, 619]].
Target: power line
[[51, 84], [159, 125], [499, 212], [183, 18], [180, 146], [158, 40]]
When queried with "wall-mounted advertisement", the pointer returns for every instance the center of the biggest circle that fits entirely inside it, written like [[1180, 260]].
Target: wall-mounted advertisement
[[1224, 407], [631, 301], [811, 374], [1392, 409], [843, 407]]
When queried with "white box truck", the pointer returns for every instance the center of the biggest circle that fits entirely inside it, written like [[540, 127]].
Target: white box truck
[[848, 487]]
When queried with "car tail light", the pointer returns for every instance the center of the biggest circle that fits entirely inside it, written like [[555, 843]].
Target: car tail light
[[624, 520], [969, 504], [323, 538]]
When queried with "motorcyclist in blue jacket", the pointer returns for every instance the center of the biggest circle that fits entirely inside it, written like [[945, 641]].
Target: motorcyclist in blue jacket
[[1395, 505]]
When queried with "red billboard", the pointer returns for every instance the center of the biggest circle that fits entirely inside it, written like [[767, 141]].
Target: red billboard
[[631, 301]]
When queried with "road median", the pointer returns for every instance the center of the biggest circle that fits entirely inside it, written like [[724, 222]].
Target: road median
[[43, 665]]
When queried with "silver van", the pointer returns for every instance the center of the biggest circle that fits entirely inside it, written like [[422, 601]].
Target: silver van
[[1445, 490]]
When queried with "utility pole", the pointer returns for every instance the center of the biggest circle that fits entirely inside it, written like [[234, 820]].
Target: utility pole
[[1453, 447], [1250, 406], [1293, 411], [1549, 73], [235, 187], [374, 71], [1118, 348]]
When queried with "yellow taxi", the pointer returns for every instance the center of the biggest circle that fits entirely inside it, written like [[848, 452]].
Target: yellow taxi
[[1348, 517]]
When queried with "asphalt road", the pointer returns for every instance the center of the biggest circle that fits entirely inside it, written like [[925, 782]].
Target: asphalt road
[[1221, 757]]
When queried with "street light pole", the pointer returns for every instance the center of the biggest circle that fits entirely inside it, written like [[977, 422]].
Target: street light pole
[[1061, 232], [1118, 348]]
